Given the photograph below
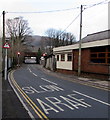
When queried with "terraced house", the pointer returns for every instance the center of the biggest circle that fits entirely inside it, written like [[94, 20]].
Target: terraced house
[[95, 56]]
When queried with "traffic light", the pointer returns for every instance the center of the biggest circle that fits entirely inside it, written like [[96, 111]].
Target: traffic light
[[44, 54], [18, 53]]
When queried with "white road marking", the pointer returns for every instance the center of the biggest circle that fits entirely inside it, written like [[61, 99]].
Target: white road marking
[[59, 104], [84, 104], [43, 88], [56, 102], [49, 81], [29, 70], [34, 74], [46, 107], [91, 98], [42, 78]]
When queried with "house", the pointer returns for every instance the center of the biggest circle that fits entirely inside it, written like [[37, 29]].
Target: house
[[95, 56]]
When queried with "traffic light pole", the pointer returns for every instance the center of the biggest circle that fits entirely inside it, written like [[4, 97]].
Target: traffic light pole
[[18, 55], [3, 42], [18, 61]]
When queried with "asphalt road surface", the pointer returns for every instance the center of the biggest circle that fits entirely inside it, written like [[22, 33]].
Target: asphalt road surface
[[46, 96]]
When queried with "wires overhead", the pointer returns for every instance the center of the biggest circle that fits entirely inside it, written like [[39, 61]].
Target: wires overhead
[[70, 24], [48, 11], [99, 3], [88, 6], [61, 10]]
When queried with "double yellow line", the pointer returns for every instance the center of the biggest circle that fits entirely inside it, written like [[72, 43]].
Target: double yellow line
[[40, 114]]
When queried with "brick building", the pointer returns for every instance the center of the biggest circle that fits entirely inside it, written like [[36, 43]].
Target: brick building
[[95, 56]]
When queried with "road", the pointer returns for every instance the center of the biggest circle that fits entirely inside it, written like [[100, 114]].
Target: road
[[46, 96]]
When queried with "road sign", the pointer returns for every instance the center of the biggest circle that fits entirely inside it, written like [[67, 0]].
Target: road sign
[[6, 45]]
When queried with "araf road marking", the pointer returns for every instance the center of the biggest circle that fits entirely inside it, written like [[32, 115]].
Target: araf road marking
[[84, 104], [56, 102], [70, 102], [44, 105], [41, 89], [91, 98], [49, 81]]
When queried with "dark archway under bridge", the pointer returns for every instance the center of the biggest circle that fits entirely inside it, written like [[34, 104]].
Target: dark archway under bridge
[[31, 58]]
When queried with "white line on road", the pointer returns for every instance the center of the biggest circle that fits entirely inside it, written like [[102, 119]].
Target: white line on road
[[49, 81], [34, 74], [42, 78], [92, 98], [29, 70]]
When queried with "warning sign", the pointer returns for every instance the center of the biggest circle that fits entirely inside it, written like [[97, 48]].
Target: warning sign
[[6, 45]]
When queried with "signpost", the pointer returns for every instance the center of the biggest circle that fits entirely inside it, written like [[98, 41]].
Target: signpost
[[6, 46]]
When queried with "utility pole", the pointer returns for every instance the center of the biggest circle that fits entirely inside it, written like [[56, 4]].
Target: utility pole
[[80, 42], [3, 42]]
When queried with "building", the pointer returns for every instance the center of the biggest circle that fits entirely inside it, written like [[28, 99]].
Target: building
[[95, 56]]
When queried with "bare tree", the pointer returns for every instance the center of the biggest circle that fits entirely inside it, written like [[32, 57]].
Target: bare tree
[[17, 30], [51, 35], [58, 38]]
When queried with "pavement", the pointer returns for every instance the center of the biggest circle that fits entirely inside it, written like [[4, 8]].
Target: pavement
[[12, 107]]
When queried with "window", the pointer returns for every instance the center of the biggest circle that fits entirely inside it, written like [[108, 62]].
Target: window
[[62, 57], [100, 55], [69, 57], [57, 57]]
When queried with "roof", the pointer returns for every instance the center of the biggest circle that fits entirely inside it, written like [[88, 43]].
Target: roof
[[97, 36], [91, 40]]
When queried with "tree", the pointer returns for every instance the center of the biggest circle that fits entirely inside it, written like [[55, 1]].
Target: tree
[[17, 30], [58, 38], [39, 54]]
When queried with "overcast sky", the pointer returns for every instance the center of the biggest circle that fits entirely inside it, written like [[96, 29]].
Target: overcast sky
[[95, 19]]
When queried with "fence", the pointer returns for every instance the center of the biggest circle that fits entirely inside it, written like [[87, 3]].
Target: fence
[[49, 62]]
